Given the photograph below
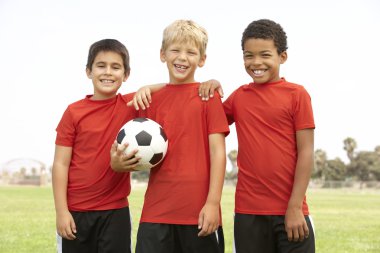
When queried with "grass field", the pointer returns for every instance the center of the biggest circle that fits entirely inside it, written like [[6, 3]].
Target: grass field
[[345, 220]]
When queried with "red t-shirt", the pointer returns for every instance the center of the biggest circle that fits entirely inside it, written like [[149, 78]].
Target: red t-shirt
[[267, 117], [178, 189], [90, 127]]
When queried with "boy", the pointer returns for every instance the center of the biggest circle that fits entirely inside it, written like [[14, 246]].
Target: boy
[[90, 199], [89, 196], [275, 129], [181, 210], [274, 124]]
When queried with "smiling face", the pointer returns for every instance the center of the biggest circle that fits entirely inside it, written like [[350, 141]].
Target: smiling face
[[182, 59], [262, 61], [107, 74]]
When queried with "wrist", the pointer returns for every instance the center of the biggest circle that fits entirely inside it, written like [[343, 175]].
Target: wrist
[[61, 210], [293, 204], [212, 202]]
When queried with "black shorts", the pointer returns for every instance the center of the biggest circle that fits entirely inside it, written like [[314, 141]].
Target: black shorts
[[266, 233], [170, 238], [99, 231]]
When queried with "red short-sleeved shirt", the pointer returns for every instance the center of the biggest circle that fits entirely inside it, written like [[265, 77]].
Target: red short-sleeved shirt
[[90, 127], [178, 189], [267, 117]]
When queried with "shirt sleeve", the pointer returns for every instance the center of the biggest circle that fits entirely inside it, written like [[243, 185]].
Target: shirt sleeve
[[65, 130], [228, 108], [303, 111], [216, 118]]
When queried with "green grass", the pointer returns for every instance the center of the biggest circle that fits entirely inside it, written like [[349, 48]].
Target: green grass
[[345, 220]]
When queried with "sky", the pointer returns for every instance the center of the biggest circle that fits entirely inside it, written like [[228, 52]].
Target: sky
[[333, 52]]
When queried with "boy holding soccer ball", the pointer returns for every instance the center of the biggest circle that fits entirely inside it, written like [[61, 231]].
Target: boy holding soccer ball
[[92, 213], [91, 202], [181, 210]]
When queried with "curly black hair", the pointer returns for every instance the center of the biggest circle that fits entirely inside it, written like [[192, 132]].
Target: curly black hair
[[266, 29]]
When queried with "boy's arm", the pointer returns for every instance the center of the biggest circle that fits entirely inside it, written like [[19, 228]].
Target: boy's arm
[[64, 220], [209, 216], [143, 97], [295, 223]]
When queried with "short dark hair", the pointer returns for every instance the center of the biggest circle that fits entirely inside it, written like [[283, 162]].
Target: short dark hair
[[108, 45], [266, 29]]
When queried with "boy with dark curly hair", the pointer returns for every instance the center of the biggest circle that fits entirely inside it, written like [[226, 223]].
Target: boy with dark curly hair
[[275, 128]]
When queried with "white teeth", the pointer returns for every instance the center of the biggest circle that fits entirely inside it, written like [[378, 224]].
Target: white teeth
[[258, 71], [180, 66], [107, 81]]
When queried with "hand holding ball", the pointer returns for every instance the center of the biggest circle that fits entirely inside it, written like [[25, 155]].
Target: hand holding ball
[[148, 137]]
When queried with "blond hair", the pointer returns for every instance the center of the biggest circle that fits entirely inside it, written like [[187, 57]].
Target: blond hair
[[185, 31]]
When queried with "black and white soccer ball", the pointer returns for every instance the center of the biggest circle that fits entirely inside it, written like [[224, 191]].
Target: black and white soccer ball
[[148, 137]]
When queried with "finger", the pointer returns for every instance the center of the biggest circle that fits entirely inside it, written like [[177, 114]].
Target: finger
[[68, 234], [210, 230], [206, 230], [206, 92], [289, 232], [301, 234], [202, 91], [140, 102], [296, 235], [306, 230], [121, 149], [147, 98], [134, 160], [145, 101], [73, 229], [200, 221], [130, 103], [63, 234], [113, 148], [135, 104], [220, 91], [73, 226], [205, 227], [212, 90], [128, 156]]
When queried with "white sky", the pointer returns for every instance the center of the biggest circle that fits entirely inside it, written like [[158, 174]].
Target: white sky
[[333, 51]]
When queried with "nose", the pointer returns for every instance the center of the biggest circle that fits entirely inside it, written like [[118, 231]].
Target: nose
[[182, 55], [108, 70], [256, 61]]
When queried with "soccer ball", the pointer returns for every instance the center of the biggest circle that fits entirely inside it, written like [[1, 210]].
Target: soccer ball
[[148, 137]]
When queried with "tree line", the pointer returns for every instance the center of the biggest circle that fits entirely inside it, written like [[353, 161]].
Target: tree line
[[362, 166]]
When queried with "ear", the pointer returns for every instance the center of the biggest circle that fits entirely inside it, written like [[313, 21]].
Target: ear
[[88, 73], [202, 61], [162, 56], [283, 57]]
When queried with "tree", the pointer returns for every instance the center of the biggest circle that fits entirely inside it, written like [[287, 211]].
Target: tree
[[377, 150], [320, 162], [335, 170], [232, 156], [350, 146], [365, 166], [232, 175], [328, 169]]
